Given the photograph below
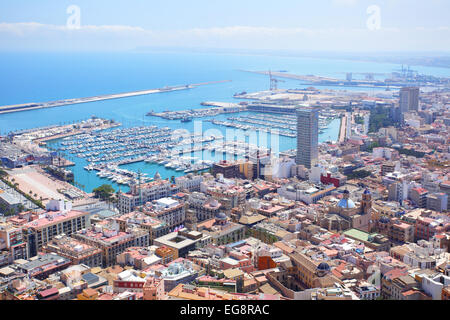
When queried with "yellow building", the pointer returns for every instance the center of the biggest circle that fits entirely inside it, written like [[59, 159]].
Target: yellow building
[[246, 168], [88, 294], [310, 273]]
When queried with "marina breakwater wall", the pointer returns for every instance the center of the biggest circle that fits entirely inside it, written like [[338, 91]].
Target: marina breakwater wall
[[60, 103]]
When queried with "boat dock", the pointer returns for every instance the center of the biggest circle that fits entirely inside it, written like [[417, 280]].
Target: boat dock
[[219, 108], [281, 125], [104, 126]]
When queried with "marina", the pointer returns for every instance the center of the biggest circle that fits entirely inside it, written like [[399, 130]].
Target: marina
[[122, 156], [282, 125], [246, 127], [106, 151]]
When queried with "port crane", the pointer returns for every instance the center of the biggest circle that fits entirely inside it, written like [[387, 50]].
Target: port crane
[[274, 82], [367, 75], [406, 72]]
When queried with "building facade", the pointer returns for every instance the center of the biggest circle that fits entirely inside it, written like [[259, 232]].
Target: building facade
[[41, 231], [307, 136]]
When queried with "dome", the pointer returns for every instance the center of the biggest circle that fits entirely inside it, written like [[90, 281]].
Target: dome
[[212, 202], [384, 219], [366, 191], [176, 268], [323, 267], [221, 216], [157, 176], [346, 204]]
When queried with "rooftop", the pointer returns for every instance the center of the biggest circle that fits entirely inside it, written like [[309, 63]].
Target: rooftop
[[54, 217], [43, 261]]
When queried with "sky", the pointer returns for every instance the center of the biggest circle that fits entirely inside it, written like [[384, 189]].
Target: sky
[[301, 25]]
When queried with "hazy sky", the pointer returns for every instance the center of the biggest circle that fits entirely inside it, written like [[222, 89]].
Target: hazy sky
[[326, 25]]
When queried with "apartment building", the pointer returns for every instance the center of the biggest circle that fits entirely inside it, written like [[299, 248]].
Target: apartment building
[[77, 251], [204, 206], [12, 243], [107, 237], [146, 192], [59, 219], [419, 197], [155, 227], [168, 210], [189, 182], [437, 201]]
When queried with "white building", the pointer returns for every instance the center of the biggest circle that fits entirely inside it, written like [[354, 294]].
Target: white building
[[168, 210], [282, 168], [140, 194], [381, 152], [306, 192], [433, 285], [59, 205], [315, 174], [189, 182], [398, 186], [425, 255]]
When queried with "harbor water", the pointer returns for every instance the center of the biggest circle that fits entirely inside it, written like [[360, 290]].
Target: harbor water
[[41, 77]]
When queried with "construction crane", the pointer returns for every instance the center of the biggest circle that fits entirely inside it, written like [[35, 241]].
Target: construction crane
[[368, 75], [405, 69], [406, 72], [274, 82]]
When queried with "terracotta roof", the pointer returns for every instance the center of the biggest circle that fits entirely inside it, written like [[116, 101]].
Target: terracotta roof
[[336, 273], [284, 247], [49, 292], [90, 292], [395, 273]]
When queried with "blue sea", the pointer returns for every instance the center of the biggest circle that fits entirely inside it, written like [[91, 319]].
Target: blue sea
[[41, 77]]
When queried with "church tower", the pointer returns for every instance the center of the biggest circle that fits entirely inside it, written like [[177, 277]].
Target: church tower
[[191, 219], [366, 202]]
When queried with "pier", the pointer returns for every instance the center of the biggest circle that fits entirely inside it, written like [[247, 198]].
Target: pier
[[60, 103], [343, 128], [218, 108], [369, 82]]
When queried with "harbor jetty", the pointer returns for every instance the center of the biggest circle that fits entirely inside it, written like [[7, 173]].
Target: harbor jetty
[[220, 108], [65, 102], [343, 128], [392, 81]]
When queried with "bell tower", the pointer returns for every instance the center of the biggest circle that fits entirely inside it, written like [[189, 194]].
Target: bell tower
[[366, 202], [191, 219]]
